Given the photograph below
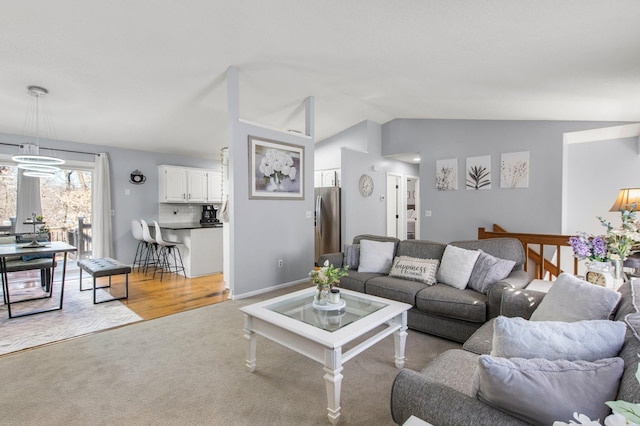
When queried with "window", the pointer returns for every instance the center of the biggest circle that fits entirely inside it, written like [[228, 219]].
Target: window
[[66, 199]]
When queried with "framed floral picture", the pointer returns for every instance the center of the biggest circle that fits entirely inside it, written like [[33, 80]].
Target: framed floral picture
[[514, 170], [275, 169], [447, 174]]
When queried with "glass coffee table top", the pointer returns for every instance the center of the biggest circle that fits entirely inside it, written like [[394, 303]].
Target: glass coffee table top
[[301, 308]]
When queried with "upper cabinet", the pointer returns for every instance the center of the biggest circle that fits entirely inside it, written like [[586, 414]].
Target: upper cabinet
[[196, 186], [214, 186], [172, 184], [188, 185]]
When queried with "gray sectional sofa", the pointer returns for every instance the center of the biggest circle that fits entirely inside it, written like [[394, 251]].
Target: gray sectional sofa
[[439, 309], [444, 392]]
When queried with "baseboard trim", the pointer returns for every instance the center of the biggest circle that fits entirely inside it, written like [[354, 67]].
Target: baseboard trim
[[267, 289]]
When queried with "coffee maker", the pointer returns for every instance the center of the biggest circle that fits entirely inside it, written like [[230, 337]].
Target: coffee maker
[[209, 215]]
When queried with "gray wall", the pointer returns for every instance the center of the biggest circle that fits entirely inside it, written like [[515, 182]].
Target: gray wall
[[142, 203], [356, 151], [457, 214], [264, 231]]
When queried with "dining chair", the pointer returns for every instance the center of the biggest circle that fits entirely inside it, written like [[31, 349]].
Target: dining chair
[[167, 251]]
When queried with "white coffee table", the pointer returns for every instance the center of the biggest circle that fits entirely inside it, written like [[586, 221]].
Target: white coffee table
[[291, 321]]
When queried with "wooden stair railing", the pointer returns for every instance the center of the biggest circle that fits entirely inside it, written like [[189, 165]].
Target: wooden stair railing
[[542, 265]]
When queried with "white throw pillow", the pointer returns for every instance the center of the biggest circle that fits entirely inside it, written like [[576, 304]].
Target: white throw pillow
[[581, 340], [539, 391], [572, 299], [376, 256], [415, 269], [456, 266]]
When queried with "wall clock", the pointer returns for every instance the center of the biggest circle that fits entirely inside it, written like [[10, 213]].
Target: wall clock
[[366, 185]]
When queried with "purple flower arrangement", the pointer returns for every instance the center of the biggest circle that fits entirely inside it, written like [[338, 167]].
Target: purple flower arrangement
[[616, 244], [587, 246]]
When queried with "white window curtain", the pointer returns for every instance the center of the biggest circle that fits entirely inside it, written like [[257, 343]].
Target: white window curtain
[[28, 200], [101, 209]]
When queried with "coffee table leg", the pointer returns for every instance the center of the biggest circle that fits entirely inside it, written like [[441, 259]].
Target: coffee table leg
[[400, 340], [251, 348], [333, 380]]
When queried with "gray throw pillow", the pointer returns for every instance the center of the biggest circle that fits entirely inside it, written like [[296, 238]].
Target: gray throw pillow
[[352, 255], [581, 340], [488, 270], [376, 256], [539, 391], [456, 266], [572, 299]]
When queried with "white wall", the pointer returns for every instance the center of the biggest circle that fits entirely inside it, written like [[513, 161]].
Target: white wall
[[458, 214], [596, 171]]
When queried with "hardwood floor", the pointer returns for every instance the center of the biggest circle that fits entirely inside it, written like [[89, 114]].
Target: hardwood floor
[[148, 297], [151, 298]]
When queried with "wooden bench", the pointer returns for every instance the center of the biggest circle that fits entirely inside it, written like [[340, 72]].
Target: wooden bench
[[104, 267]]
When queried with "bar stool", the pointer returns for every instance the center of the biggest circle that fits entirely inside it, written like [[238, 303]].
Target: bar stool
[[139, 258], [152, 248], [167, 250]]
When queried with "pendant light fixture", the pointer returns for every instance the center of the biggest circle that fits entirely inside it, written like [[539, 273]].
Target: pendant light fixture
[[38, 117]]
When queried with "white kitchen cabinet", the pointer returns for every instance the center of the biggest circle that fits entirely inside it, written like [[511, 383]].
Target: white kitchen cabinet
[[214, 186], [172, 184], [196, 186], [188, 185]]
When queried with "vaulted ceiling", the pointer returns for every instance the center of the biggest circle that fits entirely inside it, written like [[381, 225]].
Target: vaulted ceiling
[[150, 75]]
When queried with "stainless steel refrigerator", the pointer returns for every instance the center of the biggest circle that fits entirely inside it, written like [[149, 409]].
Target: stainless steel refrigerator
[[327, 220]]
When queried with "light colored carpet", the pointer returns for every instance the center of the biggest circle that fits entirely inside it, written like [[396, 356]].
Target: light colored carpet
[[189, 369], [78, 316]]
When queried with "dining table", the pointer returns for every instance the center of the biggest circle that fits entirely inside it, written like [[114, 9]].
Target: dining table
[[20, 249]]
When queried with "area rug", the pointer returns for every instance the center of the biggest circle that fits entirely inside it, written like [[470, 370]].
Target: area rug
[[78, 316], [189, 369]]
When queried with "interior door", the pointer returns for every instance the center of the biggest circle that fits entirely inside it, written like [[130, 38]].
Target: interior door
[[394, 213]]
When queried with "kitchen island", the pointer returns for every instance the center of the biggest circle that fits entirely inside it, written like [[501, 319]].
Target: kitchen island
[[202, 246]]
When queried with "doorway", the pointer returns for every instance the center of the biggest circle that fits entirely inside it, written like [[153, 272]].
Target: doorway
[[403, 205]]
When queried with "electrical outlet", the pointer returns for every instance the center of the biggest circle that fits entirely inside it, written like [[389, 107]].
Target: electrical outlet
[[280, 263]]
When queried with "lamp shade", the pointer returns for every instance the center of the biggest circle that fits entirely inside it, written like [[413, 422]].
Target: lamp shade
[[628, 199]]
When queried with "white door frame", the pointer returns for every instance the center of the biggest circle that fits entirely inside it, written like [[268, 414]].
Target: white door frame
[[417, 204], [396, 226]]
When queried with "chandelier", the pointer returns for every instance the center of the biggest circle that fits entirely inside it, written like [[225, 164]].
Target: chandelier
[[37, 117]]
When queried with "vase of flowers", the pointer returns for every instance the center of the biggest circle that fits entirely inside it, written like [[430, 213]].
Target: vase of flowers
[[325, 278], [608, 252]]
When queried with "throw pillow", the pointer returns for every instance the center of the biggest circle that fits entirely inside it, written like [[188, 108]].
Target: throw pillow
[[415, 269], [539, 391], [456, 266], [376, 256], [352, 255], [581, 340], [488, 270], [572, 299]]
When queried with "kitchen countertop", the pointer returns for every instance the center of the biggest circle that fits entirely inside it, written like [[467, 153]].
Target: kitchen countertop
[[190, 225]]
